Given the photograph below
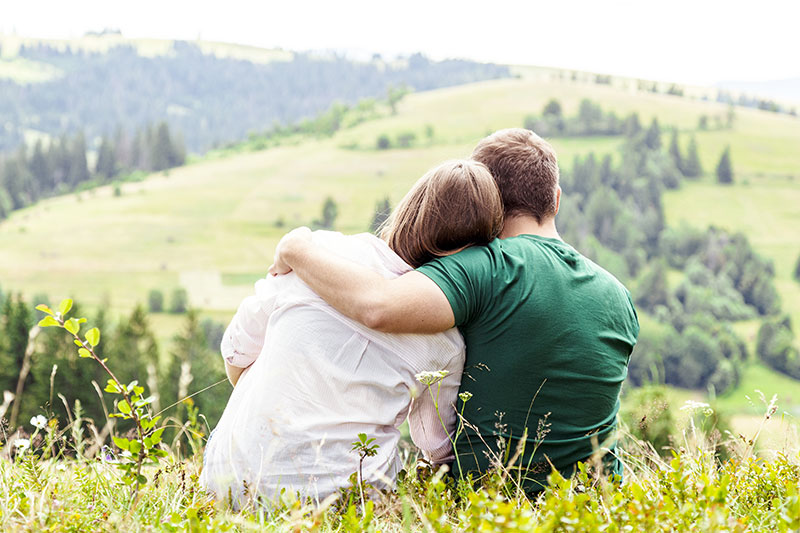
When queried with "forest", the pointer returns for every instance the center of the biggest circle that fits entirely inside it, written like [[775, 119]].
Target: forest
[[210, 100]]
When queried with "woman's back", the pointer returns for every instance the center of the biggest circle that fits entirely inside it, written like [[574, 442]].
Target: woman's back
[[318, 381]]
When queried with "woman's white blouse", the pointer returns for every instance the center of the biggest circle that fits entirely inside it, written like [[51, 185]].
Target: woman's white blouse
[[316, 379]]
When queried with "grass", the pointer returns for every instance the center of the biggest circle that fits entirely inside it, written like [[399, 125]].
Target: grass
[[764, 208], [26, 71], [690, 490], [211, 226], [221, 216]]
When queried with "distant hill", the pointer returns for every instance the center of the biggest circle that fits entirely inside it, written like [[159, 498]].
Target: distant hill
[[785, 90], [211, 92]]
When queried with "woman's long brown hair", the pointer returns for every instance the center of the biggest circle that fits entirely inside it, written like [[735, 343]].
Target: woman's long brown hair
[[454, 205]]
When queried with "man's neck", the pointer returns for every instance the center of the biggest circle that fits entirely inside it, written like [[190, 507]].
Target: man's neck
[[527, 225]]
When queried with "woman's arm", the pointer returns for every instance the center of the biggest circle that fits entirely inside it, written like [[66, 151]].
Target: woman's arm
[[233, 373], [432, 419], [245, 336]]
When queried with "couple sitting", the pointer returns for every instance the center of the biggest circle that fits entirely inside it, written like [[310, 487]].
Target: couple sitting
[[336, 348]]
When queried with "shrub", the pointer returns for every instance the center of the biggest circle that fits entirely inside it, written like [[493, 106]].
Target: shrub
[[179, 302], [383, 142], [155, 301]]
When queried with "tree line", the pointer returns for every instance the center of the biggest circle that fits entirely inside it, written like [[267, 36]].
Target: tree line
[[62, 165], [40, 366], [212, 100], [614, 214]]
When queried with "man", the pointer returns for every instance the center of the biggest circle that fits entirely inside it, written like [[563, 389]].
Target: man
[[548, 332]]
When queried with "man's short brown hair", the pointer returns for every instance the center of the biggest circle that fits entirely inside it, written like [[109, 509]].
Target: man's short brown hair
[[526, 170]]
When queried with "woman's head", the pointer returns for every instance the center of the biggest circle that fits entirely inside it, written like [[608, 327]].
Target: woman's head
[[454, 205]]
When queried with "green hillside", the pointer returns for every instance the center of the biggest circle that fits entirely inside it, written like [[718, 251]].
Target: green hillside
[[213, 224]]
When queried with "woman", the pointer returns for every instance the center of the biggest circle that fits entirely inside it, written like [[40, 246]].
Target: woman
[[315, 379]]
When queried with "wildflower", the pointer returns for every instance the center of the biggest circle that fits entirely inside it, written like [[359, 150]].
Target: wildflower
[[465, 396], [692, 406], [22, 444], [429, 378], [39, 422]]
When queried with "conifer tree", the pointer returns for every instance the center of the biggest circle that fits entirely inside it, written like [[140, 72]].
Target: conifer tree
[[632, 125], [797, 270], [106, 160], [675, 151], [724, 167], [161, 148], [382, 211], [40, 170], [691, 165], [78, 167], [193, 367], [653, 136], [13, 183]]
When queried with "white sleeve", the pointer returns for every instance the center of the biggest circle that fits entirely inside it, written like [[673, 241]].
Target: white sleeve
[[245, 335], [431, 428]]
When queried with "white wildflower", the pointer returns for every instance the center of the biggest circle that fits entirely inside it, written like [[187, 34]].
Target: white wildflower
[[429, 378], [39, 422], [22, 444], [701, 407]]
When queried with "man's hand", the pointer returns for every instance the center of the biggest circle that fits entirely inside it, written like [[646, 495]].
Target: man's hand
[[283, 251], [411, 303]]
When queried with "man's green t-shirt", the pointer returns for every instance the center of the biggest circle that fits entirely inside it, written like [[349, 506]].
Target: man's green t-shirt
[[548, 334]]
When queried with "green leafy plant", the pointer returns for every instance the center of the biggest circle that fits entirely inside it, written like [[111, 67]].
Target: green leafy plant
[[144, 447], [364, 447]]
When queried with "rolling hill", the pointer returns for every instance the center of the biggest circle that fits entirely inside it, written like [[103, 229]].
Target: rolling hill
[[212, 225]]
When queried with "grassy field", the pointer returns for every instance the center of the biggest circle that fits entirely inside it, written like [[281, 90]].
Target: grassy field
[[211, 226]]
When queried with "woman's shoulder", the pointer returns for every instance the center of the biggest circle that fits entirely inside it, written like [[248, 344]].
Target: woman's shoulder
[[363, 248]]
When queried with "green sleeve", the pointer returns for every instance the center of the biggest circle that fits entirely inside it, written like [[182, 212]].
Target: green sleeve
[[465, 279]]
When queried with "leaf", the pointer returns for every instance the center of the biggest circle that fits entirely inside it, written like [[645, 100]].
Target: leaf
[[122, 443], [72, 325], [78, 343], [44, 309], [135, 446], [124, 407], [138, 390], [83, 352], [112, 386], [156, 436], [145, 401], [93, 336], [48, 322], [65, 306]]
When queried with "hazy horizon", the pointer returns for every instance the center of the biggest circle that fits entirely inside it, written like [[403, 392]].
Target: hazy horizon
[[682, 41]]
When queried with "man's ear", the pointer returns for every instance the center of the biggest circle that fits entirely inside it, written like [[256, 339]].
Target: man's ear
[[558, 199]]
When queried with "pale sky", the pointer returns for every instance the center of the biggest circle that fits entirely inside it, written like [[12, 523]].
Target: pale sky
[[678, 40]]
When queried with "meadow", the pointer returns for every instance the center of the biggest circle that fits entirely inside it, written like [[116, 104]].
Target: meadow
[[211, 227]]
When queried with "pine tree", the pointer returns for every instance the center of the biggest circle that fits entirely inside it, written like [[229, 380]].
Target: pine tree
[[724, 168], [13, 183], [653, 136], [40, 170], [161, 148], [329, 213], [632, 125], [797, 270], [78, 167], [192, 368], [691, 165], [106, 160], [382, 211], [675, 151]]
